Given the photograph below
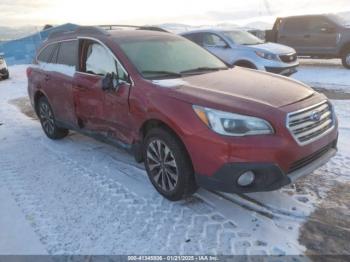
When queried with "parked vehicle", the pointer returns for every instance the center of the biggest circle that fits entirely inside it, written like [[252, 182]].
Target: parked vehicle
[[4, 72], [316, 36], [241, 48], [191, 119]]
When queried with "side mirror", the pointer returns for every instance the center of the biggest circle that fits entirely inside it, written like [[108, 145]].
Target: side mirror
[[327, 29], [221, 44], [110, 82]]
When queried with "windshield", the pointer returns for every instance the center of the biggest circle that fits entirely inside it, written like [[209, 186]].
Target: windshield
[[243, 38], [340, 20], [169, 57]]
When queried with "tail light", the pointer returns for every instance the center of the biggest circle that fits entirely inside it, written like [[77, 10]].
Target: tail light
[[29, 71]]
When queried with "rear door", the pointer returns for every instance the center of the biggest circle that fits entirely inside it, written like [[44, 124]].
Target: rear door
[[64, 63], [293, 33]]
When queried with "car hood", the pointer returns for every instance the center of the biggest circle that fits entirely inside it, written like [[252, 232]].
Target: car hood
[[274, 48], [235, 87]]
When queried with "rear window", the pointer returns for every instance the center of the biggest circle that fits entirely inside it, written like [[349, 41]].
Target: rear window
[[68, 53], [45, 54]]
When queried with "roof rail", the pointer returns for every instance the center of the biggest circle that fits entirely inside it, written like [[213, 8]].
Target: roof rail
[[81, 30], [57, 33], [101, 30], [96, 30], [143, 27]]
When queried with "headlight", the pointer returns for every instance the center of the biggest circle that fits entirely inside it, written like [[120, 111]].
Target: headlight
[[231, 124], [266, 55], [1, 61]]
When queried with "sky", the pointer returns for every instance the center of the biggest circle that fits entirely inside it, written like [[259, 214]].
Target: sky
[[193, 12]]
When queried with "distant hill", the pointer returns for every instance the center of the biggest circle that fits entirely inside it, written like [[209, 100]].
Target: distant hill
[[260, 25], [9, 33]]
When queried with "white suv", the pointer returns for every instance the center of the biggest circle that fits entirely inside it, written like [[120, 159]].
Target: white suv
[[237, 47], [4, 72]]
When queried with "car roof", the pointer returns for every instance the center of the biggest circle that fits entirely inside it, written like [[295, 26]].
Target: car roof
[[119, 36], [210, 30], [123, 36], [306, 16]]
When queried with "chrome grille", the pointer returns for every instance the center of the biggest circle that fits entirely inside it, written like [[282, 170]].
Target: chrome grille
[[309, 124], [289, 58]]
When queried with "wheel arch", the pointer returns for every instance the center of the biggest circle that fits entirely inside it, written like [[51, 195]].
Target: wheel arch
[[150, 124], [245, 63], [344, 48], [38, 94]]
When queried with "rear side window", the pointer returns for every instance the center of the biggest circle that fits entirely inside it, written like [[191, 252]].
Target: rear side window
[[68, 53], [45, 54], [295, 25], [194, 38]]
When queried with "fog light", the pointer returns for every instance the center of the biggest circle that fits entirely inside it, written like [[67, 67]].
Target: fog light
[[246, 178]]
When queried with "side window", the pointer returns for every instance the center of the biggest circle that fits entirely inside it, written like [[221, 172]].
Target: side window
[[316, 24], [98, 60], [55, 53], [68, 53], [294, 25], [45, 54], [213, 40], [196, 38]]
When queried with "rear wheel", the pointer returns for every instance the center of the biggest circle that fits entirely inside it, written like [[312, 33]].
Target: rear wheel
[[168, 165], [48, 122], [346, 58]]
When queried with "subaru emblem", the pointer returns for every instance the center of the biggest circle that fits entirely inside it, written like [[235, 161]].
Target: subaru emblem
[[315, 116]]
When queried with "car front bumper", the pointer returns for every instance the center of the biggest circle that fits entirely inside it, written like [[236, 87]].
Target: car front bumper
[[4, 72], [286, 71], [268, 176]]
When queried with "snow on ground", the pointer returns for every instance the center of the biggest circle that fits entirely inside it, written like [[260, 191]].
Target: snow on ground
[[80, 196], [328, 74]]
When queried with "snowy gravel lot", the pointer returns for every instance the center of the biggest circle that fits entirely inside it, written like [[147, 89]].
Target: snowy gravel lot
[[80, 196]]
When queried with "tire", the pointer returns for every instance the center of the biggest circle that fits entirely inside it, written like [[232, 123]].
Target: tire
[[6, 77], [48, 122], [346, 58], [168, 165]]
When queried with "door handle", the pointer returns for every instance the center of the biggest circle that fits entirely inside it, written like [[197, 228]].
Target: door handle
[[283, 37], [307, 36], [81, 88], [47, 77]]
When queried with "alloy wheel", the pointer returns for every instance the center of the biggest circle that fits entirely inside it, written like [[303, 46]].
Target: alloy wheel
[[162, 165], [47, 118]]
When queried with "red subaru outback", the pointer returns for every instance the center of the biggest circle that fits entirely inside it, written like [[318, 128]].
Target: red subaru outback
[[191, 119]]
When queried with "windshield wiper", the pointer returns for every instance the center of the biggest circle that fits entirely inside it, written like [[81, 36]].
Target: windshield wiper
[[162, 73], [203, 69]]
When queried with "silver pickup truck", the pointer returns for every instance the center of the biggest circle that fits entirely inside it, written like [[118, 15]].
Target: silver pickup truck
[[241, 48], [315, 36]]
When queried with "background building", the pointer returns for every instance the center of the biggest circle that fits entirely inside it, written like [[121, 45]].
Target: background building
[[22, 51]]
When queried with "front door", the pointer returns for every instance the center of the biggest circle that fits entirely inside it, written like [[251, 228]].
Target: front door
[[322, 36], [294, 33], [217, 46], [102, 111]]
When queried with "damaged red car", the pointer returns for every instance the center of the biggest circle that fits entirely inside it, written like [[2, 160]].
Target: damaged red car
[[192, 120]]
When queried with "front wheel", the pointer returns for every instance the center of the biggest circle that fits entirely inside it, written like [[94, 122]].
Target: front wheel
[[48, 122], [346, 59], [168, 165]]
